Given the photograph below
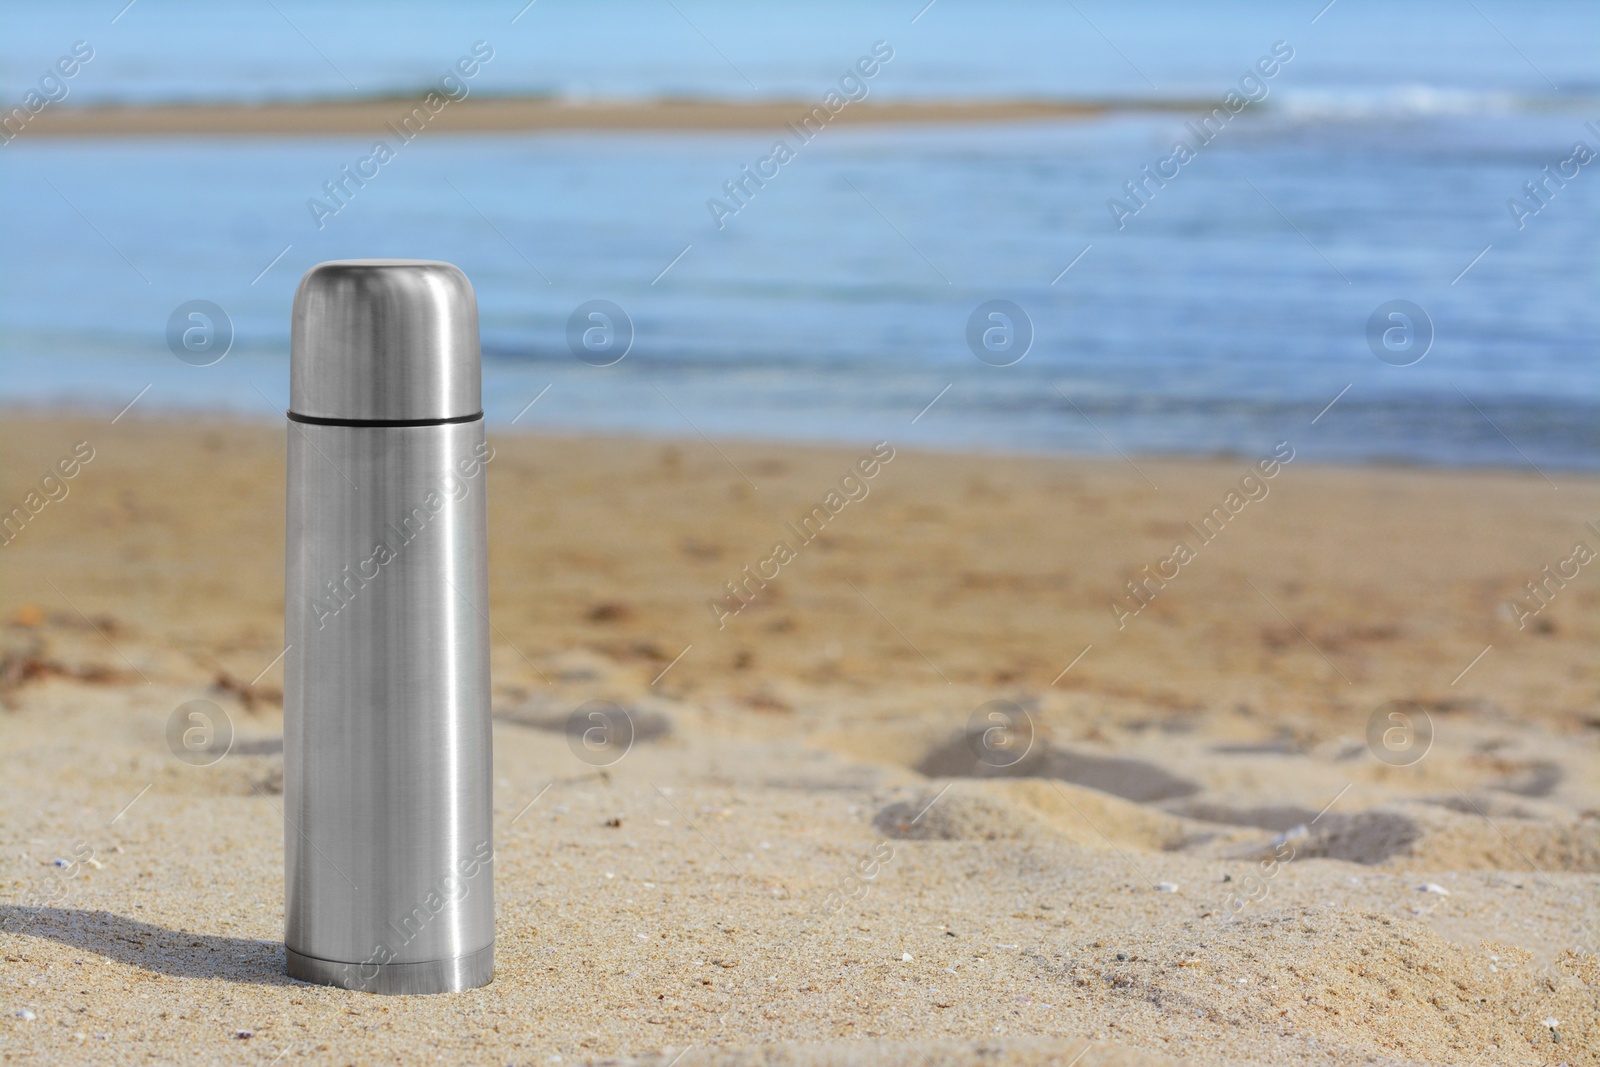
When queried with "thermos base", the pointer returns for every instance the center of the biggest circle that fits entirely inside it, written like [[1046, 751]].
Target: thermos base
[[402, 979]]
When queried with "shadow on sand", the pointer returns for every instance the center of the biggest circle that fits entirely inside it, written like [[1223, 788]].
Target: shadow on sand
[[154, 948]]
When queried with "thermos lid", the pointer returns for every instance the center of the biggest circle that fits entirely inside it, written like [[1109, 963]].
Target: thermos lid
[[385, 340]]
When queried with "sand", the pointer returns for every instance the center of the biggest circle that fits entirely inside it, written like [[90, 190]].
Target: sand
[[801, 859], [534, 114]]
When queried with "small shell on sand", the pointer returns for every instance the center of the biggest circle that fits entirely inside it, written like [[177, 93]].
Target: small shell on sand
[[1433, 887]]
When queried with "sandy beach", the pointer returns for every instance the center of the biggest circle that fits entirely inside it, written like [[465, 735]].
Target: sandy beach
[[1190, 848], [534, 114]]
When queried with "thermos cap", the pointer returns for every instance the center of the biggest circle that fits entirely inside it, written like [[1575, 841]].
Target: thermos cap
[[385, 340]]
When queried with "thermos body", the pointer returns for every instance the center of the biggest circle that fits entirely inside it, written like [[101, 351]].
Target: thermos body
[[387, 749]]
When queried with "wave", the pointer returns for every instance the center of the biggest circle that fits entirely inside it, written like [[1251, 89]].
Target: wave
[[1415, 101]]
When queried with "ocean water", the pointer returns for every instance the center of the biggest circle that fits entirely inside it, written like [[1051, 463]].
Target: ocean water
[[1219, 312]]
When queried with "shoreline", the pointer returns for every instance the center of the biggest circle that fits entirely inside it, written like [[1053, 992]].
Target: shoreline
[[179, 419], [543, 114]]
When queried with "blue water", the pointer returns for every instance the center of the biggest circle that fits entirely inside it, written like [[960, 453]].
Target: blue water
[[1223, 316], [164, 50]]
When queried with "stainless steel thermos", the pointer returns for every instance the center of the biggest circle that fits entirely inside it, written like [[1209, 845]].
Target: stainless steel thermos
[[387, 763]]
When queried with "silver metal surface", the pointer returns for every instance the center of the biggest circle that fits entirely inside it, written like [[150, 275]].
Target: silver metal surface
[[387, 759], [436, 976], [385, 339]]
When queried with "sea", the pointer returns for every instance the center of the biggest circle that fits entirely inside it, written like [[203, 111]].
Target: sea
[[1384, 251]]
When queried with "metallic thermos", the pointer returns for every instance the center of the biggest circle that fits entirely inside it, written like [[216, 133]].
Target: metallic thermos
[[386, 737]]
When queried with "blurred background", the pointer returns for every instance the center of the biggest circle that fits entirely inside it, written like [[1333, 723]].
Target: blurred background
[[1384, 161]]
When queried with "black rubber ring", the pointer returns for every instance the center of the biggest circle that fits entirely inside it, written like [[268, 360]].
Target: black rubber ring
[[317, 420]]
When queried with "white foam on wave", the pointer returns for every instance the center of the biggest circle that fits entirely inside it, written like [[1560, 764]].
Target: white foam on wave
[[1402, 101]]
